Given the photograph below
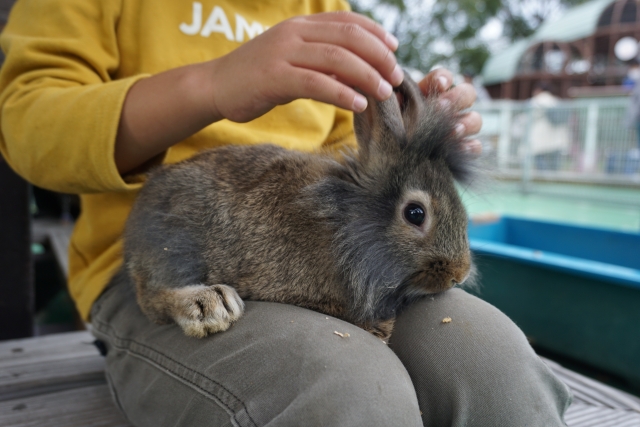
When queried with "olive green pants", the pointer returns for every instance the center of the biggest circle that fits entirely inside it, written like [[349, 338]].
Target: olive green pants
[[281, 365]]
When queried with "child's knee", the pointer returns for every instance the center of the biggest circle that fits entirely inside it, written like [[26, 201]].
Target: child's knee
[[469, 361], [457, 322]]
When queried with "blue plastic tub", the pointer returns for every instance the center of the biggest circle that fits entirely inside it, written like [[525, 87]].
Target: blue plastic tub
[[573, 290]]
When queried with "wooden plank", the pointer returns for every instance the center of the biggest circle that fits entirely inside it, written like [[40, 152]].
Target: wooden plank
[[16, 271], [54, 362], [47, 348], [596, 404], [90, 406], [590, 392], [582, 415]]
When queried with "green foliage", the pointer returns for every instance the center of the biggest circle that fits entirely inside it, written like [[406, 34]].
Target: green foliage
[[447, 33], [516, 27], [471, 59]]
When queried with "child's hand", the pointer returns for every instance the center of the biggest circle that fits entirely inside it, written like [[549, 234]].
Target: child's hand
[[458, 98], [322, 57]]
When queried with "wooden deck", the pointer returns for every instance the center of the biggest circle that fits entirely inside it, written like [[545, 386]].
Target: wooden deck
[[55, 381], [58, 381]]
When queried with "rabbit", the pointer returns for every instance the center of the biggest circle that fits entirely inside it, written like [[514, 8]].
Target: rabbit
[[357, 238]]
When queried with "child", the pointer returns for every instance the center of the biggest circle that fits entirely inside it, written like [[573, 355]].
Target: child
[[94, 92]]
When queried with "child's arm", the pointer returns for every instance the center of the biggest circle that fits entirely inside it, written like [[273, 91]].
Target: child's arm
[[59, 100], [322, 57], [62, 110]]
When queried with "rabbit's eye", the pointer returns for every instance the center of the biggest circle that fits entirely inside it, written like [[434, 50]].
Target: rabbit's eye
[[414, 214]]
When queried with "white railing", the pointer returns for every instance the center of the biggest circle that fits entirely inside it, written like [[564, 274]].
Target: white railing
[[581, 141]]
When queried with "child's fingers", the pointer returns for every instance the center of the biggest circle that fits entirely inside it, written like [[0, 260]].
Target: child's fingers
[[474, 146], [436, 82], [460, 97], [306, 83], [347, 67], [469, 124], [359, 41], [366, 23]]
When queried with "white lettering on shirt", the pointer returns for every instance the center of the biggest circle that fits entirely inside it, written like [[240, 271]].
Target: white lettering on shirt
[[218, 22], [243, 26], [196, 23]]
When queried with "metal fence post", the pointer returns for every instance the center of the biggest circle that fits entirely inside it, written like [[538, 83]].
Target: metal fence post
[[527, 161], [591, 138], [504, 140]]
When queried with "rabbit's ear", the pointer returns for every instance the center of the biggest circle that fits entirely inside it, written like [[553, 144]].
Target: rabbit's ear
[[379, 129], [383, 127], [411, 103]]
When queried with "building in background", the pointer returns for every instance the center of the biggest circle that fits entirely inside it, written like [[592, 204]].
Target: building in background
[[588, 52]]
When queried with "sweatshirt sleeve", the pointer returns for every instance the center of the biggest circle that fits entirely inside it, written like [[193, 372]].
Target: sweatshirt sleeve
[[60, 104]]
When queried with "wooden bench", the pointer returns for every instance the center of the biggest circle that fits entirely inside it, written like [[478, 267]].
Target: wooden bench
[[55, 381], [58, 381]]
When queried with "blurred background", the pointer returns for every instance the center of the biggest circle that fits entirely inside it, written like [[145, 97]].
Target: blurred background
[[555, 230]]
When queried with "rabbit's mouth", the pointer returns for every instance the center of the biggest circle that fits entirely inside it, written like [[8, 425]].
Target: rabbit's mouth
[[439, 276]]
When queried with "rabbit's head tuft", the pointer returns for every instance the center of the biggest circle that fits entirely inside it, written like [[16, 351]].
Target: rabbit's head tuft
[[418, 125]]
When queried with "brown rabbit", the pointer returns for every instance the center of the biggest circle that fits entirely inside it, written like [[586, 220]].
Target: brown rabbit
[[356, 238]]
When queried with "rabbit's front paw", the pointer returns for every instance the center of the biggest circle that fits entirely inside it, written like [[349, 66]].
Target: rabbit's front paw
[[201, 310]]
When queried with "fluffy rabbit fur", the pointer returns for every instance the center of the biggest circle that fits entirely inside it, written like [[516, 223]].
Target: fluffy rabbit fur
[[342, 237]]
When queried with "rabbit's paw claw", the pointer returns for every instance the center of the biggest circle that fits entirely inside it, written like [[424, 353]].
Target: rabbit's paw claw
[[203, 310]]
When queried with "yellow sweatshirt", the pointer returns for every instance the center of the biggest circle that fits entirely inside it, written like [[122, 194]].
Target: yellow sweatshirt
[[68, 67]]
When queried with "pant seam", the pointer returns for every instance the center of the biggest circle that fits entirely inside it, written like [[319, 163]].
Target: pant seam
[[115, 397], [123, 346]]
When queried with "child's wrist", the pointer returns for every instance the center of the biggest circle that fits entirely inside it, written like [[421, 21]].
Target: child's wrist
[[205, 89]]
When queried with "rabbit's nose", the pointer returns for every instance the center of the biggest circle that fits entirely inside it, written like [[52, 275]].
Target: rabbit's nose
[[459, 279], [460, 271], [443, 274]]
